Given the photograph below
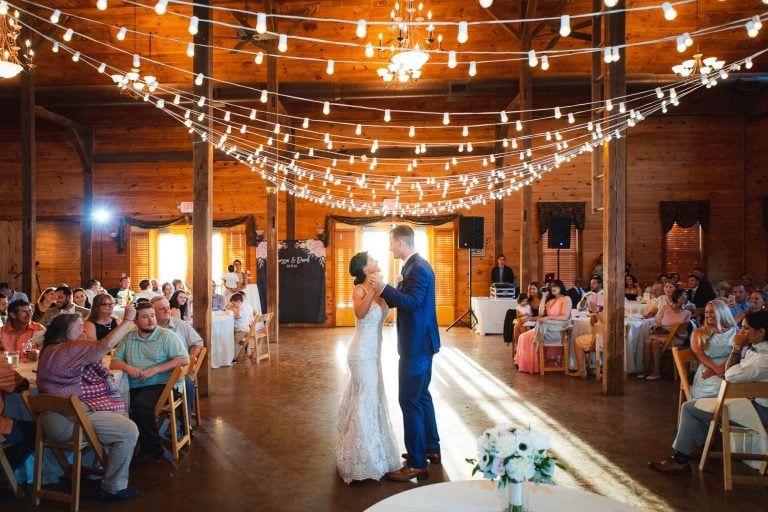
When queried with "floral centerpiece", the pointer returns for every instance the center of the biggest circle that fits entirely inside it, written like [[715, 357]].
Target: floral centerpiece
[[515, 456]]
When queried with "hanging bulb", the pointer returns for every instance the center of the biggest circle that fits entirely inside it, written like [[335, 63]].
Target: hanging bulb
[[504, 116], [375, 145], [558, 113], [121, 33], [305, 124], [136, 60], [68, 34], [329, 67], [358, 129], [659, 93], [608, 105], [263, 95], [607, 55], [615, 56], [446, 119], [519, 125], [571, 118], [201, 101], [465, 131], [463, 35], [486, 3], [76, 57], [259, 58], [193, 22], [282, 42], [544, 63], [55, 47], [387, 116], [412, 131], [261, 22], [610, 3], [748, 60], [102, 67], [687, 40], [565, 25], [101, 5], [472, 68], [452, 59], [55, 16], [161, 6], [361, 30], [532, 60], [199, 79], [177, 100], [751, 29], [369, 50], [681, 46], [190, 49], [669, 12], [326, 107], [756, 20]]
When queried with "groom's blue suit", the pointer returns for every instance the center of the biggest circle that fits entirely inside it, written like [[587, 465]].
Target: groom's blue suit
[[417, 341]]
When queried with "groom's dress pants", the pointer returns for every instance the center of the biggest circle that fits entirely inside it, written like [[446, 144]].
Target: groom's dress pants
[[420, 428]]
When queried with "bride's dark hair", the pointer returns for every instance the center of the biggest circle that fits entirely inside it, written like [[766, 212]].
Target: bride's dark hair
[[356, 265]]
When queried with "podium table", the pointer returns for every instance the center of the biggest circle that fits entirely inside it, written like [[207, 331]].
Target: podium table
[[490, 314]]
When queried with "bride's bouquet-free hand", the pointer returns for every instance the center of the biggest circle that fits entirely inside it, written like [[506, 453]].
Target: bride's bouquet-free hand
[[515, 456]]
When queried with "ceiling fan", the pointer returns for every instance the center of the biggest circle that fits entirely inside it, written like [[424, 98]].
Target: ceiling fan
[[247, 34]]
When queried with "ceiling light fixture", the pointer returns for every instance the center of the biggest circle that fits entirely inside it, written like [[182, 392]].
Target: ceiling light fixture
[[10, 64], [698, 65]]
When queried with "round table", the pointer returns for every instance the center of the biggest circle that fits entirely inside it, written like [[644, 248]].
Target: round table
[[481, 496]]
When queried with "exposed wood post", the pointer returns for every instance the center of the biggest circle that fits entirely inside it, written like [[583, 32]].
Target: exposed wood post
[[273, 267], [86, 220], [614, 214], [202, 165], [597, 97], [29, 175], [498, 227], [290, 195]]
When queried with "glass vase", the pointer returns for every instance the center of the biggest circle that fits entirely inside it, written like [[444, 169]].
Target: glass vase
[[514, 497]]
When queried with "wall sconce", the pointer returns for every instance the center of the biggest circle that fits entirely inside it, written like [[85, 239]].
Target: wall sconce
[[259, 235], [320, 235]]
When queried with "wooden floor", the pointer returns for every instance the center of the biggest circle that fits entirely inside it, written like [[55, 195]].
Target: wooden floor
[[268, 439]]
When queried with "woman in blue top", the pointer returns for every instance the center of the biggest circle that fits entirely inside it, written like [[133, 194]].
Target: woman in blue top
[[712, 343]]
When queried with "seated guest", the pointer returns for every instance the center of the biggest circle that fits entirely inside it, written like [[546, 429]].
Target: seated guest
[[218, 302], [188, 336], [738, 302], [751, 367], [577, 292], [657, 289], [746, 279], [243, 316], [63, 305], [501, 273], [3, 309], [100, 321], [92, 288], [675, 278], [722, 290], [123, 290], [71, 365], [180, 307], [669, 316], [20, 329], [711, 344], [585, 343], [46, 300], [12, 295], [148, 354], [697, 293], [756, 301], [553, 318], [167, 290], [145, 285], [534, 298], [178, 284], [21, 433], [80, 298], [155, 286], [654, 307], [631, 289], [705, 286], [594, 295]]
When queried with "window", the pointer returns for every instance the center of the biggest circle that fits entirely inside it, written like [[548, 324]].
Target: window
[[236, 247], [683, 249], [171, 257], [345, 283], [568, 259], [443, 263], [139, 257]]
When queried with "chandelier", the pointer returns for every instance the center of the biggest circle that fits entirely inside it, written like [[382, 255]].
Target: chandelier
[[697, 65], [10, 65], [409, 50], [132, 83]]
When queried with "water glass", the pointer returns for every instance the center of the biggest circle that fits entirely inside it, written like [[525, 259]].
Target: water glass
[[13, 358]]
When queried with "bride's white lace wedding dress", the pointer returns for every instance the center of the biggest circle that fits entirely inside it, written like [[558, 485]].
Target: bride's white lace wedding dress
[[366, 447]]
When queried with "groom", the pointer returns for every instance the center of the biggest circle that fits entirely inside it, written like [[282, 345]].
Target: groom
[[417, 341]]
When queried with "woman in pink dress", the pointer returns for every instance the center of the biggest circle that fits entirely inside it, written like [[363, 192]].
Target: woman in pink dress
[[552, 318], [667, 317]]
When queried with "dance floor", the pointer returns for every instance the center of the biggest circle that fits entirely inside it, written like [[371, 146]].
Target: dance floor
[[267, 442]]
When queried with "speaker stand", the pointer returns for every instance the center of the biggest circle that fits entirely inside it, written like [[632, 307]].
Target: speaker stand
[[471, 317], [558, 263]]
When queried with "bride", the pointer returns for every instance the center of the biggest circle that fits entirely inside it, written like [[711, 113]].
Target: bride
[[366, 447]]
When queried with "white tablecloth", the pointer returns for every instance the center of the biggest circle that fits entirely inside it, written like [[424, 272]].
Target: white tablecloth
[[481, 496], [639, 330], [222, 339], [253, 298], [490, 314]]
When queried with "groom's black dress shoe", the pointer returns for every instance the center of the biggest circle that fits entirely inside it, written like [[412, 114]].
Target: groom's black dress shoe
[[407, 473], [434, 458]]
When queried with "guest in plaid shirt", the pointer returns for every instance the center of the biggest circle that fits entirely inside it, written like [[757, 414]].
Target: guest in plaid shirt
[[71, 365]]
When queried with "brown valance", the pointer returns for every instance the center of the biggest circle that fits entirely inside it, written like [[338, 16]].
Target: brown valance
[[413, 219], [574, 210], [685, 213], [248, 220]]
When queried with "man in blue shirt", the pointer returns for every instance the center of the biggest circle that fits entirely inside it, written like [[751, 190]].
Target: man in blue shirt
[[739, 305], [148, 355]]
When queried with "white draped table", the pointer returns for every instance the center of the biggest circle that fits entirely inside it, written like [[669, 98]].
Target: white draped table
[[481, 496], [490, 314], [253, 298], [637, 332], [222, 339]]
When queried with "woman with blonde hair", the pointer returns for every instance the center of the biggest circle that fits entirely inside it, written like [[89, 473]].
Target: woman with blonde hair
[[712, 344]]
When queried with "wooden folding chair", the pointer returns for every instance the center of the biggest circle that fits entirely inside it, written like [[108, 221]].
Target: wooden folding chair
[[7, 470], [168, 404], [682, 358], [198, 365], [565, 337], [250, 336], [257, 335], [83, 437], [720, 418]]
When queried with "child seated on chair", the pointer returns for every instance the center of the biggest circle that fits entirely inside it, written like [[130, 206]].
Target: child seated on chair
[[585, 343], [243, 315]]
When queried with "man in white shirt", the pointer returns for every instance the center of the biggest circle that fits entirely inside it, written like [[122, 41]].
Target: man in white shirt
[[594, 295], [92, 288], [243, 316], [145, 285], [752, 367], [12, 295]]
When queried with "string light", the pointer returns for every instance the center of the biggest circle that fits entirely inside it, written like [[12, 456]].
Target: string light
[[101, 5], [193, 22], [565, 25], [669, 12], [161, 6], [463, 34]]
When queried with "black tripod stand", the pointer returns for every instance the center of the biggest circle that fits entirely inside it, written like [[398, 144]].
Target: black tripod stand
[[472, 318]]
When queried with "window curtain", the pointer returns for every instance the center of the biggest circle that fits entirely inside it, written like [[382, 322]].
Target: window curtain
[[685, 213], [362, 221], [248, 220], [574, 210]]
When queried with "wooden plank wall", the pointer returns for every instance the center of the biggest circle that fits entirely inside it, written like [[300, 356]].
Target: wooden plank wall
[[756, 238], [674, 157]]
